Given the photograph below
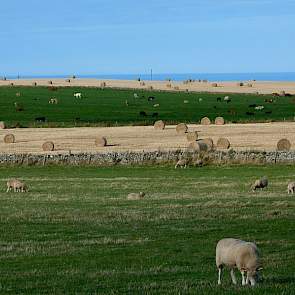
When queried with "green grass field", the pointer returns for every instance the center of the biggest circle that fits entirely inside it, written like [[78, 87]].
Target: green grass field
[[75, 232], [107, 107]]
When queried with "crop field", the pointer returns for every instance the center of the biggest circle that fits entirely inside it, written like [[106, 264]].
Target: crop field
[[75, 232], [113, 107]]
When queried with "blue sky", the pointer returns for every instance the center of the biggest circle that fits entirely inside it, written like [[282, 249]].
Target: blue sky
[[116, 36]]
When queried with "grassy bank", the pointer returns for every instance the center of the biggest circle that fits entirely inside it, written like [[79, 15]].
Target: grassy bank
[[110, 107], [75, 232]]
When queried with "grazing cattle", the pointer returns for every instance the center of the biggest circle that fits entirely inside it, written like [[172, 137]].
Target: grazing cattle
[[40, 119], [78, 95], [249, 113], [143, 114]]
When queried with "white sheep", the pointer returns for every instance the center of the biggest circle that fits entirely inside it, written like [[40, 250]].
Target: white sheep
[[135, 196], [260, 183], [259, 108], [200, 99], [226, 98], [78, 95], [181, 163], [135, 95], [238, 254], [291, 187], [156, 105], [16, 185]]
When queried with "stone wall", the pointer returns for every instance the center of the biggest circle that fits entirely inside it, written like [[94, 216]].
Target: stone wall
[[146, 158]]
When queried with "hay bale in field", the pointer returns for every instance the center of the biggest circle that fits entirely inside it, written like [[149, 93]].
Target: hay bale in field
[[223, 143], [181, 128], [208, 142], [205, 121], [192, 136], [214, 85], [283, 145], [101, 141], [198, 146], [2, 125], [219, 121], [48, 146], [159, 125], [9, 138]]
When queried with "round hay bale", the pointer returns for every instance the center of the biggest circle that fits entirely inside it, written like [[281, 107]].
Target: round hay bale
[[283, 145], [214, 84], [101, 141], [48, 146], [208, 142], [2, 125], [223, 143], [9, 138], [198, 146], [181, 128], [192, 136], [205, 121], [159, 125], [219, 121]]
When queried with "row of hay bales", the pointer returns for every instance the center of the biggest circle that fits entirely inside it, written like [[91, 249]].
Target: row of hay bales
[[48, 146]]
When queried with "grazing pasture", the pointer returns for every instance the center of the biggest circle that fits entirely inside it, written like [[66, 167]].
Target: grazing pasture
[[32, 107], [76, 232]]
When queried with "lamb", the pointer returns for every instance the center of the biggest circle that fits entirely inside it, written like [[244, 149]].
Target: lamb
[[135, 196], [78, 95], [259, 108], [260, 183], [181, 163], [291, 187], [16, 185], [238, 254]]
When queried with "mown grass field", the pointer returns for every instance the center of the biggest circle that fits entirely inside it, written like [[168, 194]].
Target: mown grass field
[[75, 232], [107, 107]]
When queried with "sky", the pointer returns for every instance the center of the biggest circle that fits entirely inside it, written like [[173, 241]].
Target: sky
[[39, 37]]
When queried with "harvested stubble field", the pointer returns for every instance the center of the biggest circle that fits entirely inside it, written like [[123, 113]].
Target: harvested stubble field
[[258, 136], [75, 232], [21, 106]]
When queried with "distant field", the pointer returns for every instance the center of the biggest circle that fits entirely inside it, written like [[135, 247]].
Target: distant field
[[75, 232], [107, 107]]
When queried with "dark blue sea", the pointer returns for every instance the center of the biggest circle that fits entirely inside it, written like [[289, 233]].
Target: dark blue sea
[[288, 76]]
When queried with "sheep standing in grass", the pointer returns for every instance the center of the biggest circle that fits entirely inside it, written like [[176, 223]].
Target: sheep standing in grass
[[238, 254], [78, 95], [135, 196], [260, 183], [291, 187], [16, 185], [181, 163]]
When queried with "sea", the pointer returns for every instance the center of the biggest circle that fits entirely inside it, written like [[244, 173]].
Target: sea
[[283, 76]]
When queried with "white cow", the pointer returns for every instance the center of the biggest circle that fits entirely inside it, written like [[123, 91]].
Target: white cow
[[78, 95]]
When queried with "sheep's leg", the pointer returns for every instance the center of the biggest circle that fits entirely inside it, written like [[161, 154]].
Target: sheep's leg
[[243, 278], [247, 279], [175, 166], [219, 275], [8, 189], [233, 277]]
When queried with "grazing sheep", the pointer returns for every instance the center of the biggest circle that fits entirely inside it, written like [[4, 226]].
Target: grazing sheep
[[135, 196], [156, 105], [260, 183], [16, 185], [78, 95], [53, 101], [226, 98], [135, 95], [259, 108], [238, 254], [291, 187], [181, 163]]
